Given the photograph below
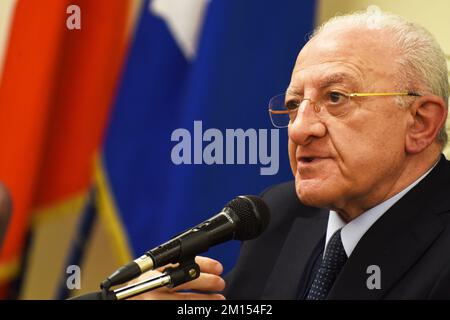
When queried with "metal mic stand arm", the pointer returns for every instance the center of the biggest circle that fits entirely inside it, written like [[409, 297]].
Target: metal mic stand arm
[[171, 277]]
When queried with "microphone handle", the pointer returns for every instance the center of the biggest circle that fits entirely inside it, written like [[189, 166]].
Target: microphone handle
[[171, 277], [141, 287]]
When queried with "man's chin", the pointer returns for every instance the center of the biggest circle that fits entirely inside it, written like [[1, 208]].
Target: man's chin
[[312, 194]]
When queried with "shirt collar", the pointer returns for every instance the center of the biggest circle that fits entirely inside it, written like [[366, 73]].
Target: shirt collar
[[353, 231]]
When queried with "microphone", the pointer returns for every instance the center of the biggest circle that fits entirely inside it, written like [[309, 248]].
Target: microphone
[[243, 218]]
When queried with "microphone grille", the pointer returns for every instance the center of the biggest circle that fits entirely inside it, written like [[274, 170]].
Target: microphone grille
[[253, 214]]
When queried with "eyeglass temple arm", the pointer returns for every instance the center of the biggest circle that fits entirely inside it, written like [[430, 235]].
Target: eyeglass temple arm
[[279, 111], [361, 94], [377, 94]]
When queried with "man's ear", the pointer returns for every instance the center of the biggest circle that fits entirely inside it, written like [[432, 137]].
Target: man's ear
[[428, 115]]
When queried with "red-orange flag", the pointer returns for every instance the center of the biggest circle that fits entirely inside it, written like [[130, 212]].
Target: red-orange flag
[[56, 90]]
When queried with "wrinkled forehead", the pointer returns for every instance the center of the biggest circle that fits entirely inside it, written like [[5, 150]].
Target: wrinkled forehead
[[351, 57], [326, 75]]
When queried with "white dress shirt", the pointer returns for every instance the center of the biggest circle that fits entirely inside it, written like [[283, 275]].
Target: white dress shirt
[[353, 231]]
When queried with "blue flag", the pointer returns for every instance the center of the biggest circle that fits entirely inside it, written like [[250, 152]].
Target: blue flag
[[190, 129]]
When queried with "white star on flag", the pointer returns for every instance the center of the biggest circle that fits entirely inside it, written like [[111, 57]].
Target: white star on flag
[[184, 19]]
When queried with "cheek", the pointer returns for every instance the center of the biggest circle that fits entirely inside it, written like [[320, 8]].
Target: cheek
[[292, 159], [370, 135], [369, 150]]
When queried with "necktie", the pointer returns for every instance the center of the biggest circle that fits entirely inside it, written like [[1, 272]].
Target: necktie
[[332, 263]]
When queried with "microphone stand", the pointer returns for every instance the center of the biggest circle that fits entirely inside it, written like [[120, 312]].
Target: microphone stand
[[140, 287], [171, 277]]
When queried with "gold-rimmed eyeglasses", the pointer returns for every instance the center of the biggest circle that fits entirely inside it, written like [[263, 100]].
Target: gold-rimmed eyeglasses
[[330, 104]]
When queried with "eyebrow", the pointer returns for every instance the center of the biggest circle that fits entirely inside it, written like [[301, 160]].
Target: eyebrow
[[327, 81], [337, 78]]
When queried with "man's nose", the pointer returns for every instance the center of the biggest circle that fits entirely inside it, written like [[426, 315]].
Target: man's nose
[[306, 125]]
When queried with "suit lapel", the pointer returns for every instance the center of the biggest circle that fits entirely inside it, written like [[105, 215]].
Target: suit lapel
[[396, 241], [392, 251], [295, 254]]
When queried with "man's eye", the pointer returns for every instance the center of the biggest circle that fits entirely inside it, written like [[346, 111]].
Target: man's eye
[[335, 97], [291, 104]]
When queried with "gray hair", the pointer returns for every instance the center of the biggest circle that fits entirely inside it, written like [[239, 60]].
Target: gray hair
[[422, 63]]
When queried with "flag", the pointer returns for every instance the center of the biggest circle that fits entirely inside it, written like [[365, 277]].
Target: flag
[[197, 70], [57, 87]]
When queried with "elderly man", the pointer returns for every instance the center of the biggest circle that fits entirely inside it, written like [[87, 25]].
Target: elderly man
[[365, 112]]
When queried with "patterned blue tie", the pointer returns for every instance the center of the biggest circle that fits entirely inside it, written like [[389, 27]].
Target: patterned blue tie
[[332, 263]]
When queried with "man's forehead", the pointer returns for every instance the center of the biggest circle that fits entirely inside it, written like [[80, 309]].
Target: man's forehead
[[348, 41], [341, 57], [353, 36], [325, 77]]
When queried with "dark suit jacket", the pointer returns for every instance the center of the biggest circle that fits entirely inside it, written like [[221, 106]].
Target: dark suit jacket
[[410, 243]]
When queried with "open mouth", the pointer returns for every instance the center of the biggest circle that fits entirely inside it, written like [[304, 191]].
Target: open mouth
[[307, 159]]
